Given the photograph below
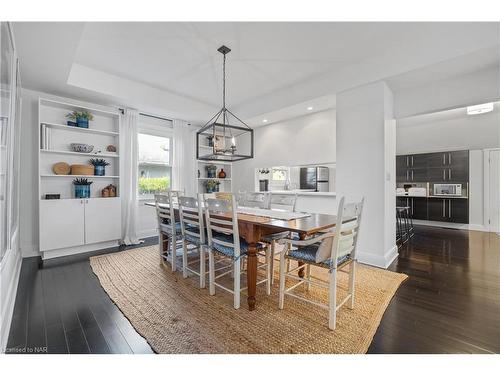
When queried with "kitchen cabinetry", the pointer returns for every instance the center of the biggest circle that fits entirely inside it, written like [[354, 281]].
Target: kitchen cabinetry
[[417, 205], [411, 168], [455, 210], [66, 223]]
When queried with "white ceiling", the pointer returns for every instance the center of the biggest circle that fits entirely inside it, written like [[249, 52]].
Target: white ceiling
[[274, 68]]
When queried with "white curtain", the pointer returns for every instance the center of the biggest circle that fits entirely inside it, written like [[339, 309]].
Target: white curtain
[[183, 160], [128, 167]]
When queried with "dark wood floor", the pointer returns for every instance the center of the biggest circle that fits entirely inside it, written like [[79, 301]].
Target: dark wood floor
[[450, 304]]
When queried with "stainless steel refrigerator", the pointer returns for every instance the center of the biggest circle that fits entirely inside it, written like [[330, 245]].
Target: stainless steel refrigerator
[[315, 178]]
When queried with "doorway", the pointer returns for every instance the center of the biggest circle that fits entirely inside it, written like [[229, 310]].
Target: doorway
[[493, 188]]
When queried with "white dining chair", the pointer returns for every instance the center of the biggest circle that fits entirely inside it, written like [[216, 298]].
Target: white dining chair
[[334, 250], [281, 202], [169, 230], [225, 242], [255, 200], [193, 236]]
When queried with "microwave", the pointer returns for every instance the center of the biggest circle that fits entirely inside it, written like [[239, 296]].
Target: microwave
[[448, 189]]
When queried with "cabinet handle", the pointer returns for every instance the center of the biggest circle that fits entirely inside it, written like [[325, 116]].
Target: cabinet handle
[[444, 174], [444, 159], [412, 161], [412, 206], [449, 158], [444, 208], [407, 161], [407, 178], [449, 208], [449, 174], [412, 175]]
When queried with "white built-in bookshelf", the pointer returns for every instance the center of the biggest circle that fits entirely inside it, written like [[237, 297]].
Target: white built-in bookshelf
[[72, 225], [225, 183]]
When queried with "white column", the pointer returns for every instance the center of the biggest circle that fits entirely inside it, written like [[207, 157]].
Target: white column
[[366, 166]]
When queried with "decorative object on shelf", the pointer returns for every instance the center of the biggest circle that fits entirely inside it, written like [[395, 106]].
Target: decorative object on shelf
[[211, 170], [61, 168], [111, 148], [199, 173], [264, 171], [212, 186], [109, 191], [52, 196], [82, 187], [224, 133], [82, 169], [222, 174], [82, 118], [72, 123], [99, 166], [82, 147]]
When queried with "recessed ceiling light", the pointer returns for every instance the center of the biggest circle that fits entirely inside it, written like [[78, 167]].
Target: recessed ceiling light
[[265, 120], [309, 108], [480, 108]]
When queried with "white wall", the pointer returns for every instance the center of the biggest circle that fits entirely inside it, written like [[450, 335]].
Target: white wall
[[303, 140], [455, 131]]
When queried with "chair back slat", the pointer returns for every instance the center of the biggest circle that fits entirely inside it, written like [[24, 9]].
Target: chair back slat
[[284, 202], [256, 200], [221, 217], [191, 216], [165, 210], [346, 230]]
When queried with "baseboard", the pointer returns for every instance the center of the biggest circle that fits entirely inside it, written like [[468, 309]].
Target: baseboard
[[12, 259], [440, 224], [50, 254], [380, 261]]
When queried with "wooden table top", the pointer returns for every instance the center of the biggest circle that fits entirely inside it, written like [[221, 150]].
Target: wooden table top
[[306, 225]]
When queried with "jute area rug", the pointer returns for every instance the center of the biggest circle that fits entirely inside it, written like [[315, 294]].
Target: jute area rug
[[175, 316]]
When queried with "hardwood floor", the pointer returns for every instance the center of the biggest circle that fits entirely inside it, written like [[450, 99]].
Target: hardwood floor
[[450, 304]]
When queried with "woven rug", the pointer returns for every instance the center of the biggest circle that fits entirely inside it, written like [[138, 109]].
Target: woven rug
[[175, 316]]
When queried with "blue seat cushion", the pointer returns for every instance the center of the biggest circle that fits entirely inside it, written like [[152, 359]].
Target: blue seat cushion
[[308, 254], [227, 250], [190, 238], [165, 228]]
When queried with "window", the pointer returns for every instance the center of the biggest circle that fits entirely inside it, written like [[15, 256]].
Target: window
[[279, 174], [155, 157]]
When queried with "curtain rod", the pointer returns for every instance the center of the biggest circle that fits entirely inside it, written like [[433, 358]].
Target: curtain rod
[[122, 111]]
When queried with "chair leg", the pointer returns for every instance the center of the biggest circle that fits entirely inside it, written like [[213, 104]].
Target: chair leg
[[269, 262], [203, 271], [173, 241], [332, 300], [273, 250], [282, 280], [352, 276], [237, 287], [211, 272], [308, 276], [184, 259]]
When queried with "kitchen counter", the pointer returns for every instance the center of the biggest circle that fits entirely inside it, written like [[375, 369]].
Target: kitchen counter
[[431, 196]]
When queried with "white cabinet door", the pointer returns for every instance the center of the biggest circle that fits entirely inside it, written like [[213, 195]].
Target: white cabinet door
[[61, 223], [102, 219]]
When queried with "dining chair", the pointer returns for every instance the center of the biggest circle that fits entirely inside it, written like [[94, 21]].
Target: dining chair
[[169, 230], [255, 200], [334, 250], [225, 241], [193, 236], [281, 202]]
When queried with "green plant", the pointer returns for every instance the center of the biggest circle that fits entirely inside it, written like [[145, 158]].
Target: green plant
[[98, 162], [82, 181], [211, 184], [152, 185], [84, 114]]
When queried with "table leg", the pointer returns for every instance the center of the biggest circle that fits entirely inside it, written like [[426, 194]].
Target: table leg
[[301, 271], [251, 275]]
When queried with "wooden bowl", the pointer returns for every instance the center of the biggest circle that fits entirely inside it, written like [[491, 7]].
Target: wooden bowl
[[61, 168]]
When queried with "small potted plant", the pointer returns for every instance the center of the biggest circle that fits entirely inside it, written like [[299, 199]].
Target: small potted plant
[[212, 186], [82, 187], [211, 170], [81, 118], [99, 166]]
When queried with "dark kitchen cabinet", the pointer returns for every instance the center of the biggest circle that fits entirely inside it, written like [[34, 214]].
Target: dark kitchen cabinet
[[454, 210], [418, 161], [417, 205]]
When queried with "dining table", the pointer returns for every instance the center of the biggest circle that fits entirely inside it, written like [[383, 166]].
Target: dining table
[[254, 227]]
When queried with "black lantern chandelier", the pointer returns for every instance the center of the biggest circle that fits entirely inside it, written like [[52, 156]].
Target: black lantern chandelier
[[224, 137]]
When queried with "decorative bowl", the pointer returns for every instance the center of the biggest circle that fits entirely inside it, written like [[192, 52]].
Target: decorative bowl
[[82, 147]]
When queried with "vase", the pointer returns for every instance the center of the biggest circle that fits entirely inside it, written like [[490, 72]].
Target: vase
[[82, 191], [222, 174], [211, 172], [82, 122], [99, 170]]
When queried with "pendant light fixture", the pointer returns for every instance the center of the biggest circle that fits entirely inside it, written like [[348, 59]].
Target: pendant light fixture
[[224, 137]]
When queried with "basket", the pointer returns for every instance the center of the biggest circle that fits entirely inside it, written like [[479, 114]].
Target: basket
[[82, 169]]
